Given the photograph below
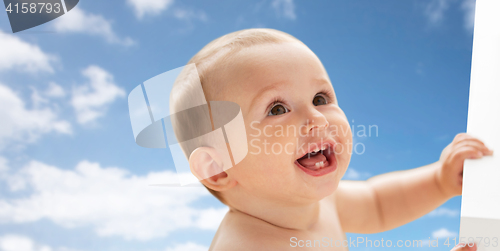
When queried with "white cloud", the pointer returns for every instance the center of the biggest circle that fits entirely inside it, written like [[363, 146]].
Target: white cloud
[[143, 8], [54, 90], [443, 211], [111, 201], [3, 165], [188, 247], [285, 8], [435, 10], [23, 56], [188, 15], [443, 233], [22, 125], [45, 97], [90, 100], [210, 218], [79, 21], [469, 8], [352, 174], [149, 7], [14, 242]]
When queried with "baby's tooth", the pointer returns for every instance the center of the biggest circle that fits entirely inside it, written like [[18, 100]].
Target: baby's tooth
[[319, 164], [323, 148]]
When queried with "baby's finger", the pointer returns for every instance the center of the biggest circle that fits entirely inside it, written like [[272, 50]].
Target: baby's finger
[[467, 138], [474, 143], [466, 152], [464, 137], [463, 246], [461, 136]]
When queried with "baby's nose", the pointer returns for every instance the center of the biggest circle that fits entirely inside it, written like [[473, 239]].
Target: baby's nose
[[316, 122]]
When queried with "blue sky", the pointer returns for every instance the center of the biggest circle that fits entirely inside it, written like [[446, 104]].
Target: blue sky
[[72, 178]]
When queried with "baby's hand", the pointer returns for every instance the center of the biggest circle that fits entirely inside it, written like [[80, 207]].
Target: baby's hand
[[452, 159]]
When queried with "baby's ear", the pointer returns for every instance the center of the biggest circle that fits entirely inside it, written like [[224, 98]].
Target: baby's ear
[[206, 164]]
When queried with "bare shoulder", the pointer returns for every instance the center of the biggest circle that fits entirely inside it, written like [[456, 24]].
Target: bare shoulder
[[238, 231]]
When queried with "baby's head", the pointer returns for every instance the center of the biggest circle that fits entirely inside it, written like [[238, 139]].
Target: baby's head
[[290, 110]]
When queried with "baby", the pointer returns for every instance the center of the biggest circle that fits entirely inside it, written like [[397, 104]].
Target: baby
[[288, 188]]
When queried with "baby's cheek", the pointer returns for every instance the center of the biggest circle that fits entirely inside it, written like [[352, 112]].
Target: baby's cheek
[[273, 161]]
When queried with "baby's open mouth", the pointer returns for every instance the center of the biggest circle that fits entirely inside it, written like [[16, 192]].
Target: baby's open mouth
[[318, 161]]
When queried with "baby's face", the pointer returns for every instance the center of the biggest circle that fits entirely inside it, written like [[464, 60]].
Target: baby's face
[[290, 109]]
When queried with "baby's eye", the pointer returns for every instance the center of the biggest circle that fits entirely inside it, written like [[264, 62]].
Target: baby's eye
[[277, 110], [319, 100]]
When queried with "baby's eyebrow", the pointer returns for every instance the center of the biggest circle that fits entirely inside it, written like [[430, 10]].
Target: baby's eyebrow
[[272, 87], [279, 85]]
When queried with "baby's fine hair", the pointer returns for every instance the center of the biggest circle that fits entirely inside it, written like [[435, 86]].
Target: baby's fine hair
[[209, 62]]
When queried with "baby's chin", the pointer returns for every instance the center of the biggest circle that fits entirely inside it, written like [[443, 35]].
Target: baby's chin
[[326, 190], [318, 186], [318, 190]]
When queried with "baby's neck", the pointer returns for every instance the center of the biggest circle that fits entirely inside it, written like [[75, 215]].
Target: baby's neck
[[302, 217]]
